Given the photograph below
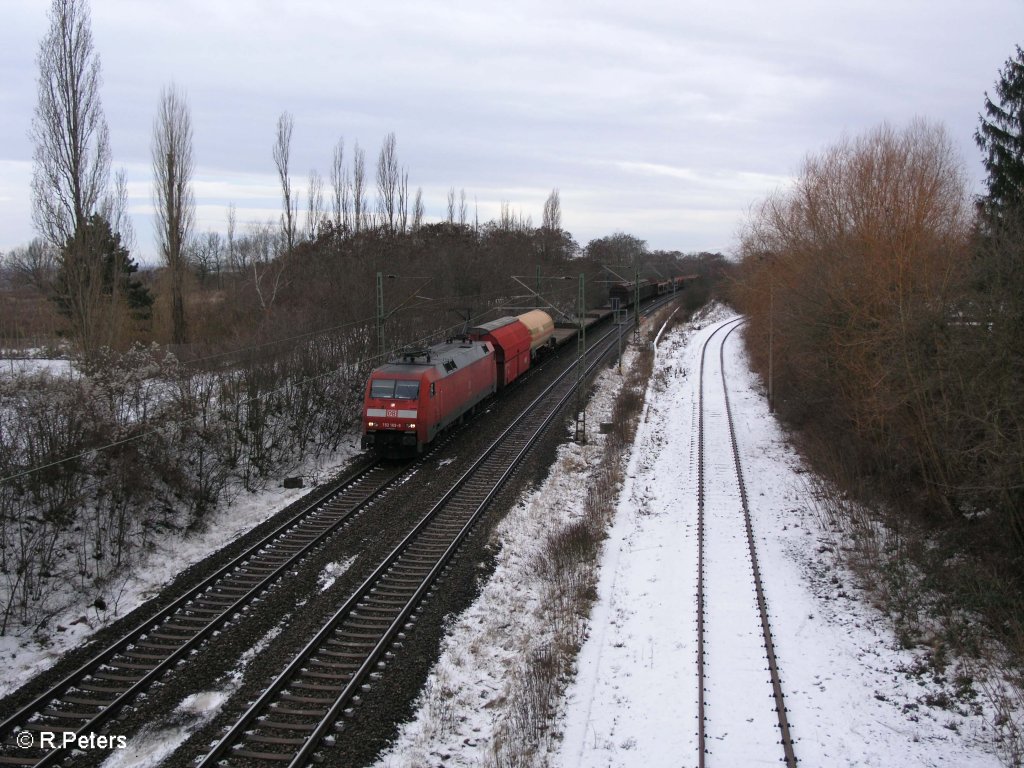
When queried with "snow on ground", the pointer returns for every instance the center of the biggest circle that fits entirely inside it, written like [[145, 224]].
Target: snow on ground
[[33, 361], [849, 700], [21, 366], [849, 687], [26, 656], [332, 571]]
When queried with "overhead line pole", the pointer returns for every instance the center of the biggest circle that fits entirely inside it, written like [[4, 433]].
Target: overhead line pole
[[636, 303], [381, 316], [581, 354]]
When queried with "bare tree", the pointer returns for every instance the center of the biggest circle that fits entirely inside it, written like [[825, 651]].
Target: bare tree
[[463, 208], [339, 185], [232, 250], [267, 272], [552, 217], [451, 206], [388, 180], [403, 202], [72, 142], [315, 215], [417, 210], [114, 209], [511, 221], [208, 256], [282, 152], [358, 189], [551, 225], [71, 165], [34, 265], [173, 166]]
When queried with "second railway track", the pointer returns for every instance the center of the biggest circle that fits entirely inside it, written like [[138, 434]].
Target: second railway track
[[735, 651]]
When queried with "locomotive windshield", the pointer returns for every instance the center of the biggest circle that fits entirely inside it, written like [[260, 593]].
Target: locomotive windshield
[[390, 389]]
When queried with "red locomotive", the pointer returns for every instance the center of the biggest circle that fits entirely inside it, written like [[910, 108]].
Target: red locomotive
[[409, 401]]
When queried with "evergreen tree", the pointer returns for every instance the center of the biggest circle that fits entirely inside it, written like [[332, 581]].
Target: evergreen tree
[[1001, 138], [96, 270]]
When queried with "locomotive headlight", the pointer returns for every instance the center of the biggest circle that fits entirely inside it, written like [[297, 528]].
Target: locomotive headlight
[[371, 423], [412, 425]]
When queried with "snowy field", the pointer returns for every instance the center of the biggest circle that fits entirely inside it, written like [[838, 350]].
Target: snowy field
[[20, 366], [852, 696]]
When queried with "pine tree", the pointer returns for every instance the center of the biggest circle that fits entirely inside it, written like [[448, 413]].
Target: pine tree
[[1000, 136], [96, 265]]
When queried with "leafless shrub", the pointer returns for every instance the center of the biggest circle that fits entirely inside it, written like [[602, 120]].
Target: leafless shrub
[[96, 463]]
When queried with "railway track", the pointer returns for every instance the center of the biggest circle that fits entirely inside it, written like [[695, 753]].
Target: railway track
[[729, 636], [93, 694], [305, 707]]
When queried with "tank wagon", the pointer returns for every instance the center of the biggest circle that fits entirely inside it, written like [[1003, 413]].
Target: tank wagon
[[541, 326], [411, 400]]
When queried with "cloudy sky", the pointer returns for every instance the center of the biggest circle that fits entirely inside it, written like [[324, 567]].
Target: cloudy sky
[[665, 120]]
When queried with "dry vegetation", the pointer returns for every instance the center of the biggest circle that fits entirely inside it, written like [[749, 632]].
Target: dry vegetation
[[893, 326]]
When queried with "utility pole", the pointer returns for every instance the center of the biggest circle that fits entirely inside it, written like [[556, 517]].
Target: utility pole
[[636, 304], [619, 318], [581, 356], [380, 315]]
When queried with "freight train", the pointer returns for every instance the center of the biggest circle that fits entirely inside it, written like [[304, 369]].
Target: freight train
[[410, 401], [674, 284]]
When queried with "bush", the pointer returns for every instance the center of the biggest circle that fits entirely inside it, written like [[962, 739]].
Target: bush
[[95, 463]]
